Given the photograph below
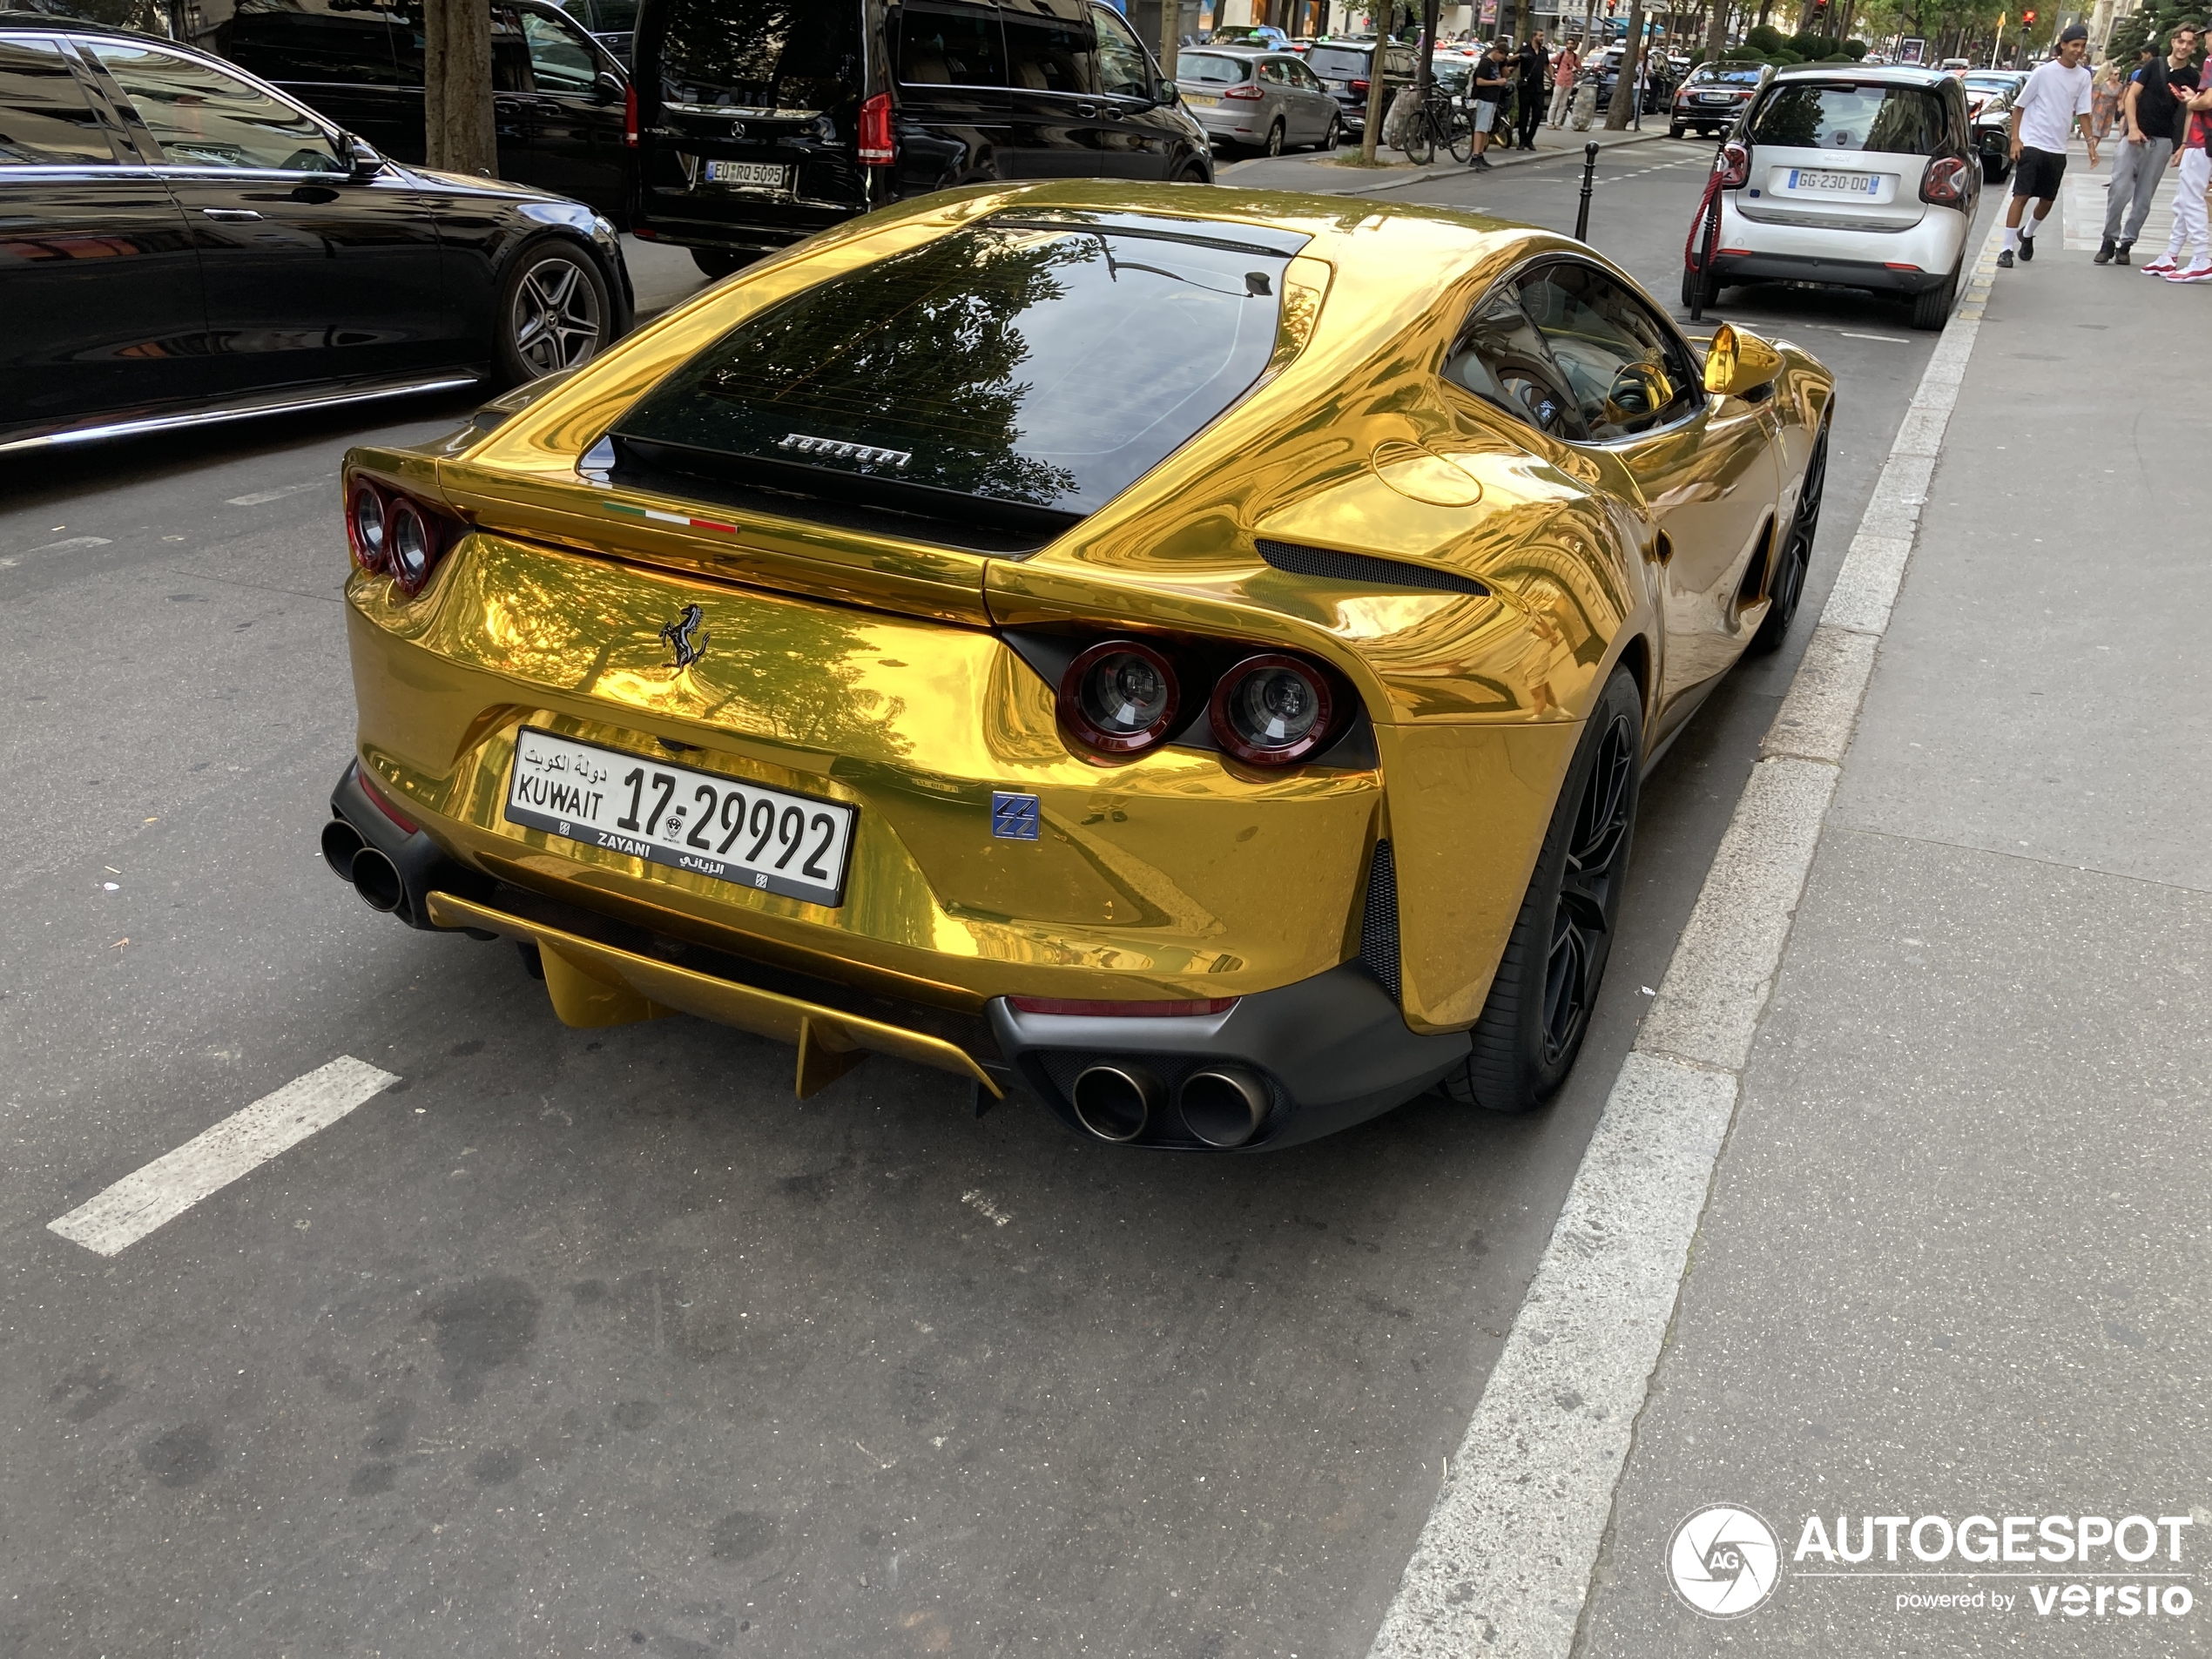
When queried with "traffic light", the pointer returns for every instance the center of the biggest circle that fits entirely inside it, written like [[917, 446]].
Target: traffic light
[[2028, 19]]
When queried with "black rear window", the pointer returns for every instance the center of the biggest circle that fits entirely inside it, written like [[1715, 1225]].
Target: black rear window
[[767, 57], [1338, 62], [1013, 375], [1827, 115]]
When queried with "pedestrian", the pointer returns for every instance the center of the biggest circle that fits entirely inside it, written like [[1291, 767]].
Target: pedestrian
[[1489, 84], [2190, 231], [1568, 65], [2111, 87], [2054, 101], [1532, 64], [2150, 118]]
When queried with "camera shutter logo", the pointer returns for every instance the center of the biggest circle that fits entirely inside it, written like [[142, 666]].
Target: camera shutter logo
[[1723, 1562]]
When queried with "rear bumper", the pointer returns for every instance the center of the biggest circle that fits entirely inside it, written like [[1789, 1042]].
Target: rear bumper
[[1911, 259], [1835, 274]]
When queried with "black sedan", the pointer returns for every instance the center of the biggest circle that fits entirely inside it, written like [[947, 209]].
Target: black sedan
[[180, 243], [1711, 97], [1658, 79]]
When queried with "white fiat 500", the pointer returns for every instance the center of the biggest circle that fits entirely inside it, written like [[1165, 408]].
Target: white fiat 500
[[1854, 177]]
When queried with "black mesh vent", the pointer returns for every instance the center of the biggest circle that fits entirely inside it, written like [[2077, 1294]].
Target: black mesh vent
[[1379, 923], [1359, 568]]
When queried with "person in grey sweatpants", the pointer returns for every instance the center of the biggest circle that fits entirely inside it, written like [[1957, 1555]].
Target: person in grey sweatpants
[[2147, 112]]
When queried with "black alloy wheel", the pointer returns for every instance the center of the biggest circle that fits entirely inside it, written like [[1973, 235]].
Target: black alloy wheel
[[553, 313], [1787, 586], [1539, 1008]]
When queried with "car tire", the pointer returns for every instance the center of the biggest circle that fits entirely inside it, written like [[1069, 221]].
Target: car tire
[[1691, 299], [553, 313], [1786, 588], [1931, 309], [1332, 138], [1675, 131], [1547, 979], [1274, 144], [716, 263]]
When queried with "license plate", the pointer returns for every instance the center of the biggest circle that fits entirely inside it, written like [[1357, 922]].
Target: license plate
[[764, 839], [745, 173], [1202, 102], [1856, 184]]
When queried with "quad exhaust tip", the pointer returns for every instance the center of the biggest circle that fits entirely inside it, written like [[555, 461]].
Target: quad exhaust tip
[[1225, 1106], [377, 880], [1116, 1103]]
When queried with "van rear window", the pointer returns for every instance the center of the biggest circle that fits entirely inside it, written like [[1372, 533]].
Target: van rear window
[[1826, 115], [1018, 374], [760, 57]]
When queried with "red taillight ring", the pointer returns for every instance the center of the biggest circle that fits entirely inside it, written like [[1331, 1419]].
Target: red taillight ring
[[366, 527], [1086, 724], [1231, 736], [410, 545]]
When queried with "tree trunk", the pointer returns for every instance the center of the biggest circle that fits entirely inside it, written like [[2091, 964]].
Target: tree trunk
[[1626, 91], [1765, 6], [1171, 37], [1424, 59], [1716, 33], [457, 133]]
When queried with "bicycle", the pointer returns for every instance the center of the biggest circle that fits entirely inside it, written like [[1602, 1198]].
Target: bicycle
[[1439, 120]]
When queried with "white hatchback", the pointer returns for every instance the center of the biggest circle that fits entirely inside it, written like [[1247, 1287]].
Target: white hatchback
[[1854, 177]]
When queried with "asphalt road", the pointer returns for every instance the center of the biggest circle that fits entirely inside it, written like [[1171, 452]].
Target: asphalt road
[[590, 1342]]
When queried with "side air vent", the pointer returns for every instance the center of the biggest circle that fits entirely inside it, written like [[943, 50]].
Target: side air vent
[[1379, 922], [1366, 571]]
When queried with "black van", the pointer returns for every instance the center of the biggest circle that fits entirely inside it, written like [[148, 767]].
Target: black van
[[761, 121], [558, 95]]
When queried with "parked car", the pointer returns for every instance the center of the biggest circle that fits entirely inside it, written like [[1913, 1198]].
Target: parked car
[[558, 95], [1658, 79], [1342, 66], [1267, 101], [1858, 178], [184, 244], [1712, 96], [761, 125], [1126, 642], [1989, 111]]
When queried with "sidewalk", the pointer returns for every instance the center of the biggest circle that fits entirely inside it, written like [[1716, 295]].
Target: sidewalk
[[1322, 172], [1954, 1259]]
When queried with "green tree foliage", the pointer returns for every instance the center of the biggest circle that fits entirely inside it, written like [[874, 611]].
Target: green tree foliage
[[2149, 27]]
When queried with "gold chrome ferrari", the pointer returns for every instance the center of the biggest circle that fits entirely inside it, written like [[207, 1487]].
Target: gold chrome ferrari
[[1189, 652]]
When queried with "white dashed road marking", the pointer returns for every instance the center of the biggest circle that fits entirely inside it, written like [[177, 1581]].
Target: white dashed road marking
[[261, 496], [69, 546], [213, 1159]]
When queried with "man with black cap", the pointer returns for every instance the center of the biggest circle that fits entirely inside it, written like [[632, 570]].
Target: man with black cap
[[2054, 101]]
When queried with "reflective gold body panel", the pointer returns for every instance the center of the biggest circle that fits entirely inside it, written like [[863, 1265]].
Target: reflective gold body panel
[[866, 668]]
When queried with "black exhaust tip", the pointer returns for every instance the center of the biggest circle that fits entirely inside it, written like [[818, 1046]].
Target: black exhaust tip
[[341, 844], [1115, 1102], [1225, 1106], [377, 880]]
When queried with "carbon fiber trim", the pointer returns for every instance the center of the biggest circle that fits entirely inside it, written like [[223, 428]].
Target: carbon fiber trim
[[1360, 568]]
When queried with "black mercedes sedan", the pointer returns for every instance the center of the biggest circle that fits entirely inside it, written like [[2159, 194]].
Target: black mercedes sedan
[[181, 243]]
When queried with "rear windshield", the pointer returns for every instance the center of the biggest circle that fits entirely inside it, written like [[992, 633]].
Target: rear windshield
[[1893, 120], [1212, 67], [1020, 373], [766, 57], [1338, 62], [1748, 76]]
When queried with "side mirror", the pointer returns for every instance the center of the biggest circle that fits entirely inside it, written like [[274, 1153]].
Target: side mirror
[[362, 163], [607, 88], [1736, 362], [1163, 90]]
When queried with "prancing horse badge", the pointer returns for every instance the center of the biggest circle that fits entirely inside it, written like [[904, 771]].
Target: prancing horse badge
[[684, 638]]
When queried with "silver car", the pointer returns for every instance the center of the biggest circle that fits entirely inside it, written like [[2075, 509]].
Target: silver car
[[1267, 101]]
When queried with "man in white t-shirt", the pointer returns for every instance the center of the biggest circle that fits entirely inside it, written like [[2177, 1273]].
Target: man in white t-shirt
[[2054, 101]]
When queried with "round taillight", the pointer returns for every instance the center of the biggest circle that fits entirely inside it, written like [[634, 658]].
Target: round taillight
[[1120, 698], [408, 544], [365, 517], [1272, 711]]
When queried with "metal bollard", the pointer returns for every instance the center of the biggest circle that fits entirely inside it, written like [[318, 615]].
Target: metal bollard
[[1589, 172]]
